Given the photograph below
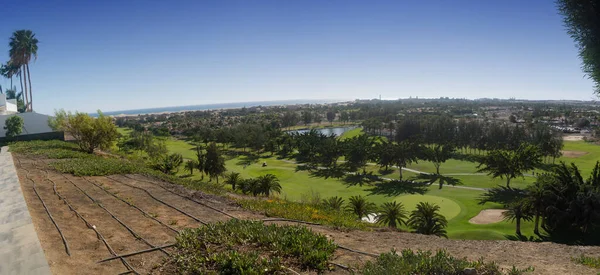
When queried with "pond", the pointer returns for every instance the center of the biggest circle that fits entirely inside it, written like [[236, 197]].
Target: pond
[[338, 131]]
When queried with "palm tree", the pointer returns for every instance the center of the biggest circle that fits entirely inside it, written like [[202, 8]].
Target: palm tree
[[334, 203], [23, 45], [233, 179], [426, 219], [360, 206], [392, 214], [535, 198], [268, 183], [517, 211], [190, 165]]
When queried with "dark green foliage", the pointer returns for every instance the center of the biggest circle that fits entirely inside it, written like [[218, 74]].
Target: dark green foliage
[[438, 154], [214, 163], [168, 164], [233, 179], [582, 19], [425, 262], [392, 214], [268, 184], [222, 248], [517, 212], [13, 126], [510, 164], [333, 203], [190, 165], [426, 219], [360, 206], [96, 166]]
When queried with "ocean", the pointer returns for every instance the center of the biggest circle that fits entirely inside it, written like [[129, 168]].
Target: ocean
[[217, 106]]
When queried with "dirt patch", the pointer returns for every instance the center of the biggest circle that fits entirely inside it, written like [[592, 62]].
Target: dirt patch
[[573, 137], [488, 216], [86, 249], [573, 154]]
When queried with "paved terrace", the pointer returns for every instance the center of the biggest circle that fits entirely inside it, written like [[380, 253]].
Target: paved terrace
[[20, 249]]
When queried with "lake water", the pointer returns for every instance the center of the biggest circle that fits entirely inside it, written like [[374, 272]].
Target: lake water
[[338, 131]]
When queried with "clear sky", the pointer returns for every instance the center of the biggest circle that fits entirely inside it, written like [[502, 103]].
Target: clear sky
[[130, 54]]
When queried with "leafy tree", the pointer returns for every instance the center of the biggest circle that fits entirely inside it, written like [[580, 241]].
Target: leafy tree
[[23, 46], [307, 117], [581, 19], [404, 153], [201, 161], [330, 116], [190, 165], [438, 154], [512, 119], [392, 214], [517, 212], [334, 203], [89, 133], [358, 151], [535, 198], [214, 164], [360, 206], [13, 126], [268, 184], [233, 179], [385, 154], [510, 164], [426, 219]]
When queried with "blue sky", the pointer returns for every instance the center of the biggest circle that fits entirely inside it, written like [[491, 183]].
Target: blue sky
[[118, 55]]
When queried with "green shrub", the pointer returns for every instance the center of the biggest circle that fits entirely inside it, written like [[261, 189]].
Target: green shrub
[[53, 149], [90, 133], [593, 262], [96, 166], [303, 212], [425, 262], [13, 126], [223, 247]]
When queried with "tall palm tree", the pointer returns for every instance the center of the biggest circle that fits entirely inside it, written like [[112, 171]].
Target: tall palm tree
[[517, 211], [360, 206], [23, 46], [426, 219], [268, 183], [233, 179], [392, 214], [535, 198]]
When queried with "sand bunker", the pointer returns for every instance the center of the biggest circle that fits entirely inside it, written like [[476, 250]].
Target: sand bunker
[[573, 154], [488, 216], [573, 137]]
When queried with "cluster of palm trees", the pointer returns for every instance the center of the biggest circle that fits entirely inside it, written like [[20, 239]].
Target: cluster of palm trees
[[263, 185], [562, 202], [23, 48], [425, 219]]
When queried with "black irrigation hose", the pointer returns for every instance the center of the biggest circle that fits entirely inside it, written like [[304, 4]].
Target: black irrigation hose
[[159, 200], [64, 240], [98, 234], [132, 205], [136, 253], [288, 220], [340, 265], [185, 197], [357, 251], [135, 234]]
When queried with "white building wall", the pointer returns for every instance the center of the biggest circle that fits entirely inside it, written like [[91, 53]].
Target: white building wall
[[7, 106]]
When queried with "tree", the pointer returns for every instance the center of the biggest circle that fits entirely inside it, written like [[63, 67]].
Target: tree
[[334, 203], [23, 45], [426, 219], [307, 117], [13, 126], [201, 161], [268, 183], [392, 214], [581, 19], [512, 119], [330, 116], [510, 164], [233, 179], [168, 164], [360, 206], [190, 165], [438, 154], [405, 153], [517, 211], [358, 150], [214, 165], [535, 194], [89, 133]]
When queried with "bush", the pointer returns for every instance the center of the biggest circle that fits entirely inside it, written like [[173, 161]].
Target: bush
[[250, 247], [90, 133], [168, 164], [303, 212], [96, 166], [424, 262], [13, 126]]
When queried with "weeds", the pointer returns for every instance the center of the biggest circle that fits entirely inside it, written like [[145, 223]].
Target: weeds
[[593, 262], [96, 166], [52, 149]]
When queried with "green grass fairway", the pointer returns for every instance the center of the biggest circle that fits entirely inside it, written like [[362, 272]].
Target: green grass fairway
[[448, 207], [351, 133]]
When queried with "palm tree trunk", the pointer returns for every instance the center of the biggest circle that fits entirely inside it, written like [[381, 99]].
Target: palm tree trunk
[[30, 94], [24, 92], [400, 169], [507, 182], [518, 227], [537, 221]]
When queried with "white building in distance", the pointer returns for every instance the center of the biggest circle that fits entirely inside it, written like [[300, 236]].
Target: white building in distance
[[7, 106]]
